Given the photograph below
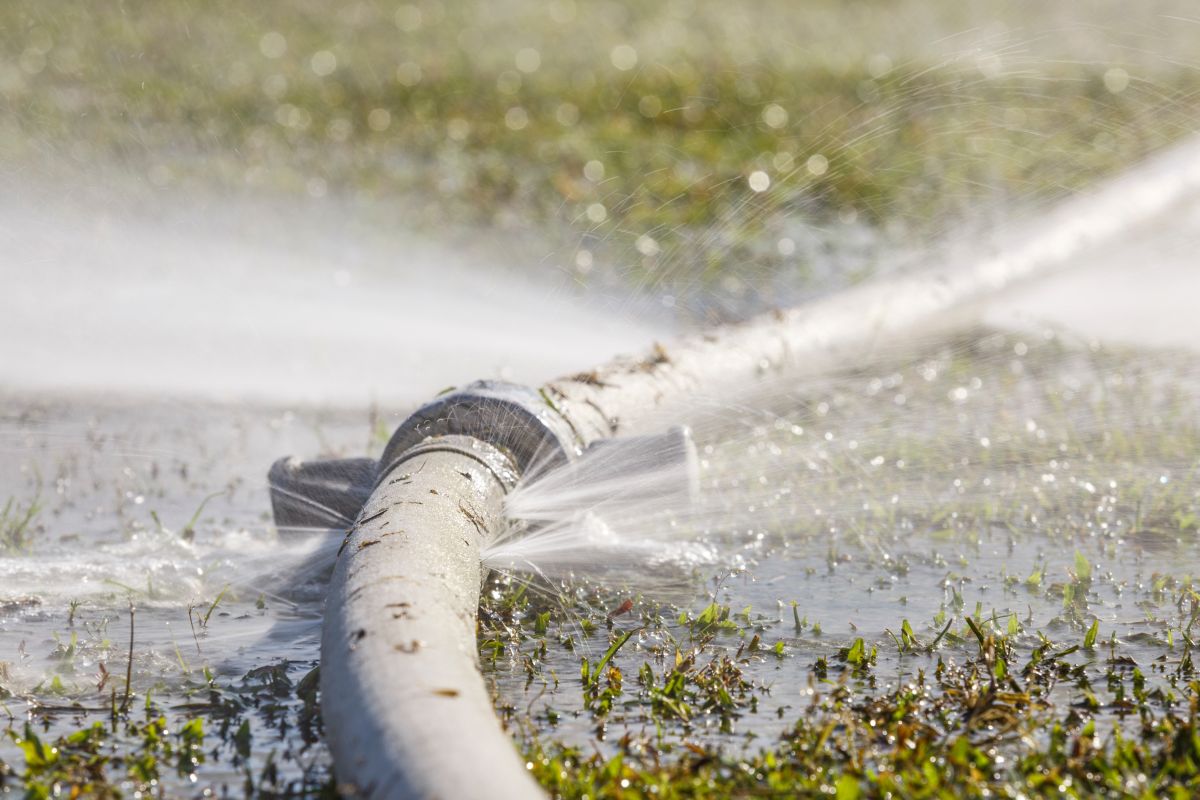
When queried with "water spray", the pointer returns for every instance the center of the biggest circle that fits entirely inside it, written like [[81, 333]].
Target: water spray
[[405, 706], [398, 643]]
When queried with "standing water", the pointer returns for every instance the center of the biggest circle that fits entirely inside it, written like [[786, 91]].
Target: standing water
[[137, 432], [229, 237]]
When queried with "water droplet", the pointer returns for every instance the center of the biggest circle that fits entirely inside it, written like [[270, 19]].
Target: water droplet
[[1116, 80], [380, 119], [593, 171], [774, 115], [647, 246], [272, 44], [516, 118], [879, 65], [528, 60], [759, 181], [624, 57], [650, 106], [323, 63]]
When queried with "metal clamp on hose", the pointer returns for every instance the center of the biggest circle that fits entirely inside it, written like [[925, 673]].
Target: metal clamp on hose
[[511, 430], [492, 458], [516, 419], [530, 436]]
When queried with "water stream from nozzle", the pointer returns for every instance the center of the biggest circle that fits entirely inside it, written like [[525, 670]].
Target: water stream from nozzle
[[617, 505]]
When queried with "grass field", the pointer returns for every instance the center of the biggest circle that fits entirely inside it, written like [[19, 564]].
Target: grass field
[[668, 143]]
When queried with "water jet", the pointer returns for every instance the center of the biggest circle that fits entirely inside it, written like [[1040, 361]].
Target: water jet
[[406, 706]]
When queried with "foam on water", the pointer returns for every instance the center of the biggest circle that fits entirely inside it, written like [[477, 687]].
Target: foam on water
[[120, 517]]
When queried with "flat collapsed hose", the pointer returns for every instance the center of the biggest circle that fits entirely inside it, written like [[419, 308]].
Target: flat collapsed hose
[[405, 708]]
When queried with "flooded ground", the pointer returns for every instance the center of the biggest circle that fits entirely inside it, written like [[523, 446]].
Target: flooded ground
[[227, 235], [1003, 504], [161, 509], [1037, 487]]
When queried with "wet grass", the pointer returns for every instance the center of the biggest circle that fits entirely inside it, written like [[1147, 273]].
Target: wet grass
[[18, 524], [1012, 617], [112, 750], [138, 659], [993, 629], [948, 735], [987, 706]]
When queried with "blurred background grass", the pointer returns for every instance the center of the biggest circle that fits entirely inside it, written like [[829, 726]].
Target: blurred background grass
[[669, 146]]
